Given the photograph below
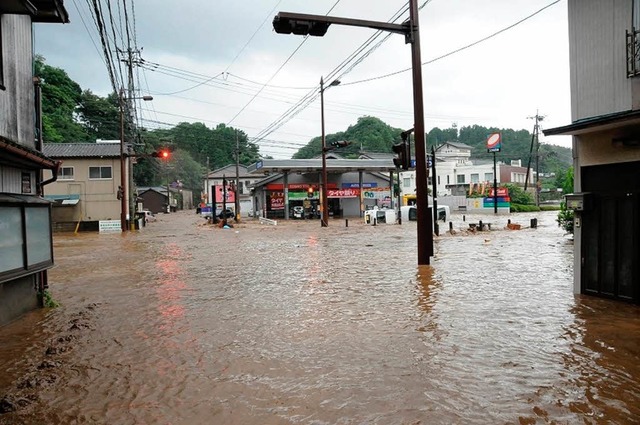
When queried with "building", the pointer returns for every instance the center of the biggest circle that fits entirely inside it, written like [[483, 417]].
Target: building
[[26, 241], [88, 188], [353, 185], [213, 180], [604, 54]]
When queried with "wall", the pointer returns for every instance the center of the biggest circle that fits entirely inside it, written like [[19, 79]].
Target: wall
[[18, 297], [98, 198], [598, 149], [597, 51], [17, 104]]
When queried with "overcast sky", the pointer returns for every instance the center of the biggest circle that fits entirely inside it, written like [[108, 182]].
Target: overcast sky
[[499, 82]]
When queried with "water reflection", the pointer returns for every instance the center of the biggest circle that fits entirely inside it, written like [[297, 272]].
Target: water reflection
[[309, 325]]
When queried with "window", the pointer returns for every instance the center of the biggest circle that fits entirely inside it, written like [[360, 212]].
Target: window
[[488, 177], [460, 179], [438, 180], [475, 178], [65, 173], [448, 180], [26, 238], [100, 173], [406, 182]]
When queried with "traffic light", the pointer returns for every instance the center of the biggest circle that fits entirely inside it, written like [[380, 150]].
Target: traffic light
[[310, 192], [162, 154], [403, 158]]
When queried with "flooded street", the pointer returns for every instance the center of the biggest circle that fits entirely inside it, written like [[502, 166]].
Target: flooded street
[[182, 323]]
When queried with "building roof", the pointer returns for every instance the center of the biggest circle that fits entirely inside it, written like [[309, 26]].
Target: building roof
[[82, 150], [40, 10], [455, 145], [599, 123], [14, 154], [314, 165], [229, 171]]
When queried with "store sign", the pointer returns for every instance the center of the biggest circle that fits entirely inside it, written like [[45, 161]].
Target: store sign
[[376, 193], [357, 185], [343, 193], [277, 201], [220, 194]]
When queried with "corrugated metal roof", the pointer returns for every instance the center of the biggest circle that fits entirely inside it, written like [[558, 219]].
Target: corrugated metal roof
[[81, 150]]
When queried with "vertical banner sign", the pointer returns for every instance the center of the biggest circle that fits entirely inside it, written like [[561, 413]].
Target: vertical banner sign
[[494, 142]]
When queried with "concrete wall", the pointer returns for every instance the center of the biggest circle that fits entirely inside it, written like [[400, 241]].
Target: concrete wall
[[18, 297]]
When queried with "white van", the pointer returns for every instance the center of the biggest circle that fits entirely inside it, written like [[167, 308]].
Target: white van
[[410, 213], [379, 216]]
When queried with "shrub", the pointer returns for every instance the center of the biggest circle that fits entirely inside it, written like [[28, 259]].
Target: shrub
[[565, 218], [524, 208]]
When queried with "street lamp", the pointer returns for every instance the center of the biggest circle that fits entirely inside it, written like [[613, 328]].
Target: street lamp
[[124, 185], [324, 202], [303, 24]]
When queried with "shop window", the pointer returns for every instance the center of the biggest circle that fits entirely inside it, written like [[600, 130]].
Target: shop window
[[100, 173]]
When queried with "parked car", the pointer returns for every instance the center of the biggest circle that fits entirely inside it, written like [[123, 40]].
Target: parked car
[[228, 213], [148, 216]]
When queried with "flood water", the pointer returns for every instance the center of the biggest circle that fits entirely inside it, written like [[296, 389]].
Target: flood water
[[183, 323]]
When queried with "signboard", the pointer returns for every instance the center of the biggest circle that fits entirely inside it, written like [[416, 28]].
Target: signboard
[[107, 226], [357, 185], [502, 191], [494, 142], [376, 193], [276, 201], [298, 196], [230, 194], [343, 193]]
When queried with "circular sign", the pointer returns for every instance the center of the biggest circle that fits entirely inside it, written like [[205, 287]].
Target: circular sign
[[493, 140]]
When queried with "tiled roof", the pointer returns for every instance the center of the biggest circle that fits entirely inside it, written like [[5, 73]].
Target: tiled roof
[[81, 150]]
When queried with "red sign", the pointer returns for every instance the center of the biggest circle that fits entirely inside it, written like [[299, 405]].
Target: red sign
[[343, 193], [277, 201], [502, 191]]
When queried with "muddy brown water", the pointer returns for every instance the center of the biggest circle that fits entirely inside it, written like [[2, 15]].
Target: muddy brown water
[[182, 323]]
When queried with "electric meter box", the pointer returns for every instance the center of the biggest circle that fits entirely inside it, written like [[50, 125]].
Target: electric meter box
[[578, 201]]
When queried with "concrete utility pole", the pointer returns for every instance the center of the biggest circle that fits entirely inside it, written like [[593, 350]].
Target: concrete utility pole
[[535, 142]]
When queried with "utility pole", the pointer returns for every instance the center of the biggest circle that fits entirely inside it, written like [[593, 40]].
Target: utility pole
[[535, 142], [237, 194]]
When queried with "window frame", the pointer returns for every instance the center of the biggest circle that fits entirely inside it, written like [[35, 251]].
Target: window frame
[[62, 177], [101, 167], [28, 233]]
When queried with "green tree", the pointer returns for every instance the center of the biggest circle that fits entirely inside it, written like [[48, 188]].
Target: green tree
[[60, 98], [519, 196], [368, 134]]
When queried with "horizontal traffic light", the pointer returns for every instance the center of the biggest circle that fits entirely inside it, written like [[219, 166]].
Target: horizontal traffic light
[[161, 153]]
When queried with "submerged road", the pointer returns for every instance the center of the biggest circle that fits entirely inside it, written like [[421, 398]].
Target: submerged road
[[183, 323]]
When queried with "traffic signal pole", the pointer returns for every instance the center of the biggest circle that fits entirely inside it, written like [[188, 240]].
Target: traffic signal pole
[[424, 225], [317, 25]]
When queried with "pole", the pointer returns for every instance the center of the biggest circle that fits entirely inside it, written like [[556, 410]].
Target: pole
[[434, 185], [237, 197], [425, 235], [123, 185], [224, 200], [399, 195], [537, 164], [495, 186], [324, 222]]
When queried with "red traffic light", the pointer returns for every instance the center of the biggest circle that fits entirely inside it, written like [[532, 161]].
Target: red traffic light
[[162, 154]]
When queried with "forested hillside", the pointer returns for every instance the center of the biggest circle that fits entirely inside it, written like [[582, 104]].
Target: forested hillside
[[71, 114]]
